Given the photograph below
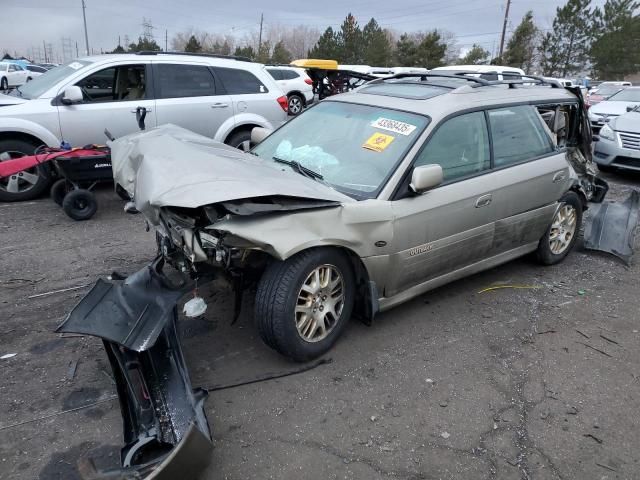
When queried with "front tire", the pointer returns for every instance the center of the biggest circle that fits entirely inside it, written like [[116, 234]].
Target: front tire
[[296, 104], [240, 140], [561, 236], [25, 185], [4, 84], [304, 303], [80, 204]]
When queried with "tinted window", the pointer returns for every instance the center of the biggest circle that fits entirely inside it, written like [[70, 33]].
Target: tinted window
[[489, 76], [12, 68], [275, 73], [238, 82], [460, 146], [33, 68], [518, 135], [289, 74], [179, 81]]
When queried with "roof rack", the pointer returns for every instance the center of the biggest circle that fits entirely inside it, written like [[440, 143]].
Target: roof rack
[[214, 55], [424, 76], [519, 79]]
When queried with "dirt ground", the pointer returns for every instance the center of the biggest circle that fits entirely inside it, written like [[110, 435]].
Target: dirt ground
[[540, 383]]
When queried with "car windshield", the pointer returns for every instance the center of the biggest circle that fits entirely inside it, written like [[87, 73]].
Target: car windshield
[[608, 90], [626, 95], [354, 147], [44, 82]]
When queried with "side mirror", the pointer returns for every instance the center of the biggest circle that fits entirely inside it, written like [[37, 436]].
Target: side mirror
[[425, 177], [258, 134], [72, 95]]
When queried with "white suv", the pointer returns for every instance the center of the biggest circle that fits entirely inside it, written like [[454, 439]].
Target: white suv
[[296, 85], [222, 98], [12, 75]]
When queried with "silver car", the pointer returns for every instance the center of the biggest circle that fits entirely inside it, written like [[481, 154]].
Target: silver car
[[221, 98], [618, 146], [369, 198], [613, 106]]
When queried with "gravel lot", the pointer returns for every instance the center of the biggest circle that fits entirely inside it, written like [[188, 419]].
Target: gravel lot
[[540, 383]]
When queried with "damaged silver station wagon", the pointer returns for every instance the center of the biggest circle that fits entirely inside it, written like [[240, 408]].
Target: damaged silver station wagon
[[364, 201], [370, 198]]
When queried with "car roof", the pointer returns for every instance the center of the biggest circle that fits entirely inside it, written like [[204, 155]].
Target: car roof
[[479, 68], [451, 100], [169, 57]]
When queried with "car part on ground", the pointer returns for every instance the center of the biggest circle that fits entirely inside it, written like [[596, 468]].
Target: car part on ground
[[166, 433], [611, 227]]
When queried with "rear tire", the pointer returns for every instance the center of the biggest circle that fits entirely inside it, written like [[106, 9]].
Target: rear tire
[[304, 303], [80, 204], [295, 104], [4, 84], [59, 190], [561, 236], [32, 183], [240, 140]]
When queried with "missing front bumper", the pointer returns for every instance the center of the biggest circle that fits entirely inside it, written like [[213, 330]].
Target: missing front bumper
[[166, 432]]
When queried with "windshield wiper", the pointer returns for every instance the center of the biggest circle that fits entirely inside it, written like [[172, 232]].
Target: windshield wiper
[[307, 172]]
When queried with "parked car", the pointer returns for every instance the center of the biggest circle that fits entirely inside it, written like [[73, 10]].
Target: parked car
[[486, 72], [35, 71], [12, 75], [618, 146], [368, 199], [615, 105], [222, 98], [296, 85], [602, 93]]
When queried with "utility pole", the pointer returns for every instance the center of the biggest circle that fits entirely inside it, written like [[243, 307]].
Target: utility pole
[[84, 18], [504, 29], [45, 52], [77, 55], [260, 36], [166, 38]]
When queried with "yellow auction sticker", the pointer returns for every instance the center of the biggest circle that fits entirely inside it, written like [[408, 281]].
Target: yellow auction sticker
[[378, 142]]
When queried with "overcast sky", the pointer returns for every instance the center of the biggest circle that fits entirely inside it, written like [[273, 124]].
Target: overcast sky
[[30, 22]]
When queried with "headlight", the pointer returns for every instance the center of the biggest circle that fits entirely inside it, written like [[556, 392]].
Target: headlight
[[607, 132]]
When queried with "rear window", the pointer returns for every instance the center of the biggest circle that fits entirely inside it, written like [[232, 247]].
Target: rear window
[[179, 81], [518, 135], [238, 82], [275, 73], [289, 74]]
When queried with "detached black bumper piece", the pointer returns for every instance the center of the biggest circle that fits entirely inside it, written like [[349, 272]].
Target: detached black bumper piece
[[166, 432], [611, 227]]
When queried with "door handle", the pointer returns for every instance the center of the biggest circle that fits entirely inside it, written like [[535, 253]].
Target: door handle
[[483, 201], [560, 176], [220, 105], [135, 110]]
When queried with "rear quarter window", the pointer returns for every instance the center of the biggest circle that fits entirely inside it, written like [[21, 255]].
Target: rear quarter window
[[239, 82]]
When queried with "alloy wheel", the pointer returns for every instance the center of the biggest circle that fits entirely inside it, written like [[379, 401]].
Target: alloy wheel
[[319, 304], [18, 182], [295, 105], [563, 229]]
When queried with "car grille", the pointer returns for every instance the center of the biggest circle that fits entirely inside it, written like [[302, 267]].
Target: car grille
[[628, 162], [630, 140]]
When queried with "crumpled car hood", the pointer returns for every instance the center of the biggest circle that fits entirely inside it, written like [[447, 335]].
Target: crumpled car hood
[[629, 122], [173, 167]]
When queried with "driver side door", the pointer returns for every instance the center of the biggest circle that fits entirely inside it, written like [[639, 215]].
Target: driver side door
[[111, 96]]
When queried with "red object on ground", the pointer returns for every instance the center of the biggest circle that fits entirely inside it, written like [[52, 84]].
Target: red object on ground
[[17, 165]]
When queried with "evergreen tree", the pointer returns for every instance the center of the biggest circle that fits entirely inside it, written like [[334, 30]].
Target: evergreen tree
[[327, 46], [247, 52], [144, 45], [521, 48], [431, 51], [406, 51], [565, 49], [350, 41], [193, 45], [264, 53], [376, 45], [119, 49], [476, 56], [615, 51], [280, 53]]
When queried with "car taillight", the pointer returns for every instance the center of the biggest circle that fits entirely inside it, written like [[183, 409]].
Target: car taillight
[[284, 103], [308, 81]]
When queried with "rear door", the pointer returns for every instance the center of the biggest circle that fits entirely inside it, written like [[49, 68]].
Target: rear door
[[187, 95], [16, 75], [111, 97], [530, 176]]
